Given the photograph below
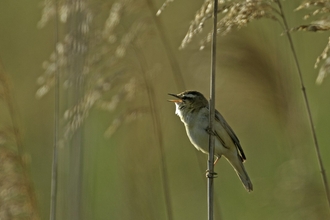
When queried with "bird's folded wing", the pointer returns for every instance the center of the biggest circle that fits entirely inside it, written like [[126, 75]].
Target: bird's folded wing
[[231, 133]]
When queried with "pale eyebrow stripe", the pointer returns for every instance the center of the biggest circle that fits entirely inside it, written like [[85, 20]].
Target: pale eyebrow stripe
[[190, 96]]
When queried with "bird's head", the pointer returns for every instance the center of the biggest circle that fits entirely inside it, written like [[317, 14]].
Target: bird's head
[[188, 101]]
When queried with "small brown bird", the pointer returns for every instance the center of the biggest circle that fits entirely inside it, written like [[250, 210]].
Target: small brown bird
[[193, 109]]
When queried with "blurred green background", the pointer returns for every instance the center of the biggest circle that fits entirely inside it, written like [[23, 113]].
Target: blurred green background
[[119, 177]]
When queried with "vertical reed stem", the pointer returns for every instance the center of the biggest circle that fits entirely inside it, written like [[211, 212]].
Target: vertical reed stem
[[54, 179], [155, 113], [77, 53], [210, 187], [311, 123]]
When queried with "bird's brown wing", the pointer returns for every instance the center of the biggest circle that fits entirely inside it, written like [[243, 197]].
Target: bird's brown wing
[[219, 118]]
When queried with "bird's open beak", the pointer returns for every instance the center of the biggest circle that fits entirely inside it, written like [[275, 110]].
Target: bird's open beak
[[175, 100]]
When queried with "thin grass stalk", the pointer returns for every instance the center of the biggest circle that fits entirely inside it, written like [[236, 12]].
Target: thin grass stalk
[[54, 178], [177, 74], [77, 63], [158, 132], [210, 186], [311, 123]]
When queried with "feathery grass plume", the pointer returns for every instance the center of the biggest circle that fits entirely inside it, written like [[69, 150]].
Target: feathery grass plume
[[78, 113], [112, 21], [107, 48], [59, 59], [105, 60], [96, 96], [104, 84], [48, 11], [47, 80], [15, 200], [135, 29], [126, 117], [17, 197], [117, 13], [318, 7], [321, 6], [233, 15]]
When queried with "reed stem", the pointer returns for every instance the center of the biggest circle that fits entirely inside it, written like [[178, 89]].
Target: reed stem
[[309, 114], [210, 181], [54, 178]]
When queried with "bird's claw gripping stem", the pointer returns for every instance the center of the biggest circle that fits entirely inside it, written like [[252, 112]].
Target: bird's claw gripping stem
[[211, 174]]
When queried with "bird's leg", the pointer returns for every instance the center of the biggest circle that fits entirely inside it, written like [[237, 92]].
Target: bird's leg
[[212, 174], [216, 160], [208, 173]]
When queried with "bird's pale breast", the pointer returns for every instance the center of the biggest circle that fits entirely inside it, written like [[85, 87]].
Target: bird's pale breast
[[197, 133]]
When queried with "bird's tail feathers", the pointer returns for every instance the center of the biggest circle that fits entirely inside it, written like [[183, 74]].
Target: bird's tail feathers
[[242, 174]]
